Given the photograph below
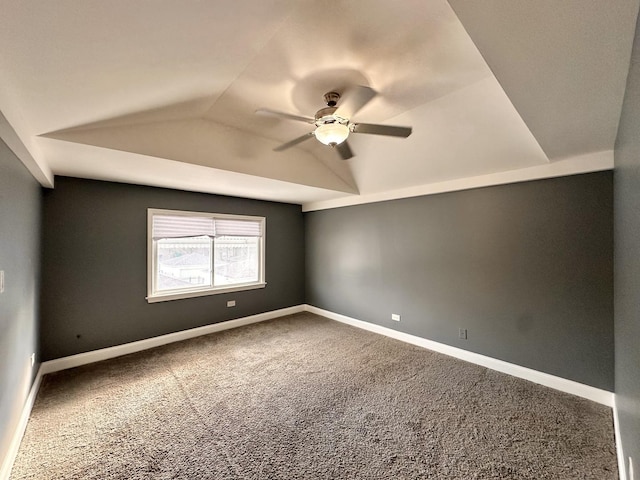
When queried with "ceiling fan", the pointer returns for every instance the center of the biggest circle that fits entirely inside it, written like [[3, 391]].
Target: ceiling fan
[[333, 123]]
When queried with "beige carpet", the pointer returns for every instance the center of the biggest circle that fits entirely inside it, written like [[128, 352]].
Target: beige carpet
[[303, 397]]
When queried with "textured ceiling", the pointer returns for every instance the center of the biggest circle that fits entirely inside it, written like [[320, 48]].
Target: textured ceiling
[[164, 93]]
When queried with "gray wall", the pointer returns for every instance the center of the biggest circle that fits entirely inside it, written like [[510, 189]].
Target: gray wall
[[20, 202], [94, 270], [527, 268], [627, 263]]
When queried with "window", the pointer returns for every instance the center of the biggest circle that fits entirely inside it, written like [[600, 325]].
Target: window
[[191, 254]]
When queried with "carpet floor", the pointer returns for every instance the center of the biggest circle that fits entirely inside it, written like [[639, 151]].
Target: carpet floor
[[303, 397]]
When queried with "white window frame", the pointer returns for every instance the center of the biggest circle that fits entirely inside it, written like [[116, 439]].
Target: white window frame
[[154, 296]]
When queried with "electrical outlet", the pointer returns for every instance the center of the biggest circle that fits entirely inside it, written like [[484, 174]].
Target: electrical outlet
[[231, 303], [1, 281], [33, 359], [395, 316], [462, 333]]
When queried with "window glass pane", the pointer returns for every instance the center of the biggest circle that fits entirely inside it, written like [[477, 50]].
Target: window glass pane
[[183, 263], [236, 260]]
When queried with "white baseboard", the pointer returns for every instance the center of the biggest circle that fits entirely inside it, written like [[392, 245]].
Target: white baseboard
[[622, 464], [568, 386], [10, 454], [119, 350]]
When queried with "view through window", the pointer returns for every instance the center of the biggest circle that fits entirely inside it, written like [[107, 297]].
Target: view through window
[[194, 253]]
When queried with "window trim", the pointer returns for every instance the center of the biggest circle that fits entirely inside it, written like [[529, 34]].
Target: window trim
[[153, 297]]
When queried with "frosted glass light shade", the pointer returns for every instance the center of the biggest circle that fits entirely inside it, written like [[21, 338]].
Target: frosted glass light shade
[[332, 133]]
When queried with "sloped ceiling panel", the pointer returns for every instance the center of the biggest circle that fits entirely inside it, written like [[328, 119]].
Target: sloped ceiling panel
[[563, 64], [201, 142]]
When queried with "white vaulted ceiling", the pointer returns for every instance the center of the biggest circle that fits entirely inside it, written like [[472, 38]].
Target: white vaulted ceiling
[[163, 93]]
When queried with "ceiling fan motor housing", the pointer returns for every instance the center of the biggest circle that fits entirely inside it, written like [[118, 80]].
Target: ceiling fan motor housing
[[327, 115]]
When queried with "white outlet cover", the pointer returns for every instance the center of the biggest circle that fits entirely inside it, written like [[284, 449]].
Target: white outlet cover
[[395, 316], [231, 303]]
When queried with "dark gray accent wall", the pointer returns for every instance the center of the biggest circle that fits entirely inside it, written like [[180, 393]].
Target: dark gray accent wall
[[20, 203], [94, 271], [627, 263], [526, 268]]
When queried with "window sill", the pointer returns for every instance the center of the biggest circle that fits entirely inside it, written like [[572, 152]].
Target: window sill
[[165, 297]]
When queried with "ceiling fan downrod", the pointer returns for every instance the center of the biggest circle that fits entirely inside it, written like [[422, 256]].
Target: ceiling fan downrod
[[331, 98]]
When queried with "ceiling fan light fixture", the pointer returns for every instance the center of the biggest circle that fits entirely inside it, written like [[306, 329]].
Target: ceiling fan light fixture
[[332, 133]]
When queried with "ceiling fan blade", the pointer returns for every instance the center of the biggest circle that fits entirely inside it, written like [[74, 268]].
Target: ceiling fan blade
[[374, 129], [354, 100], [293, 142], [344, 150], [290, 116]]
